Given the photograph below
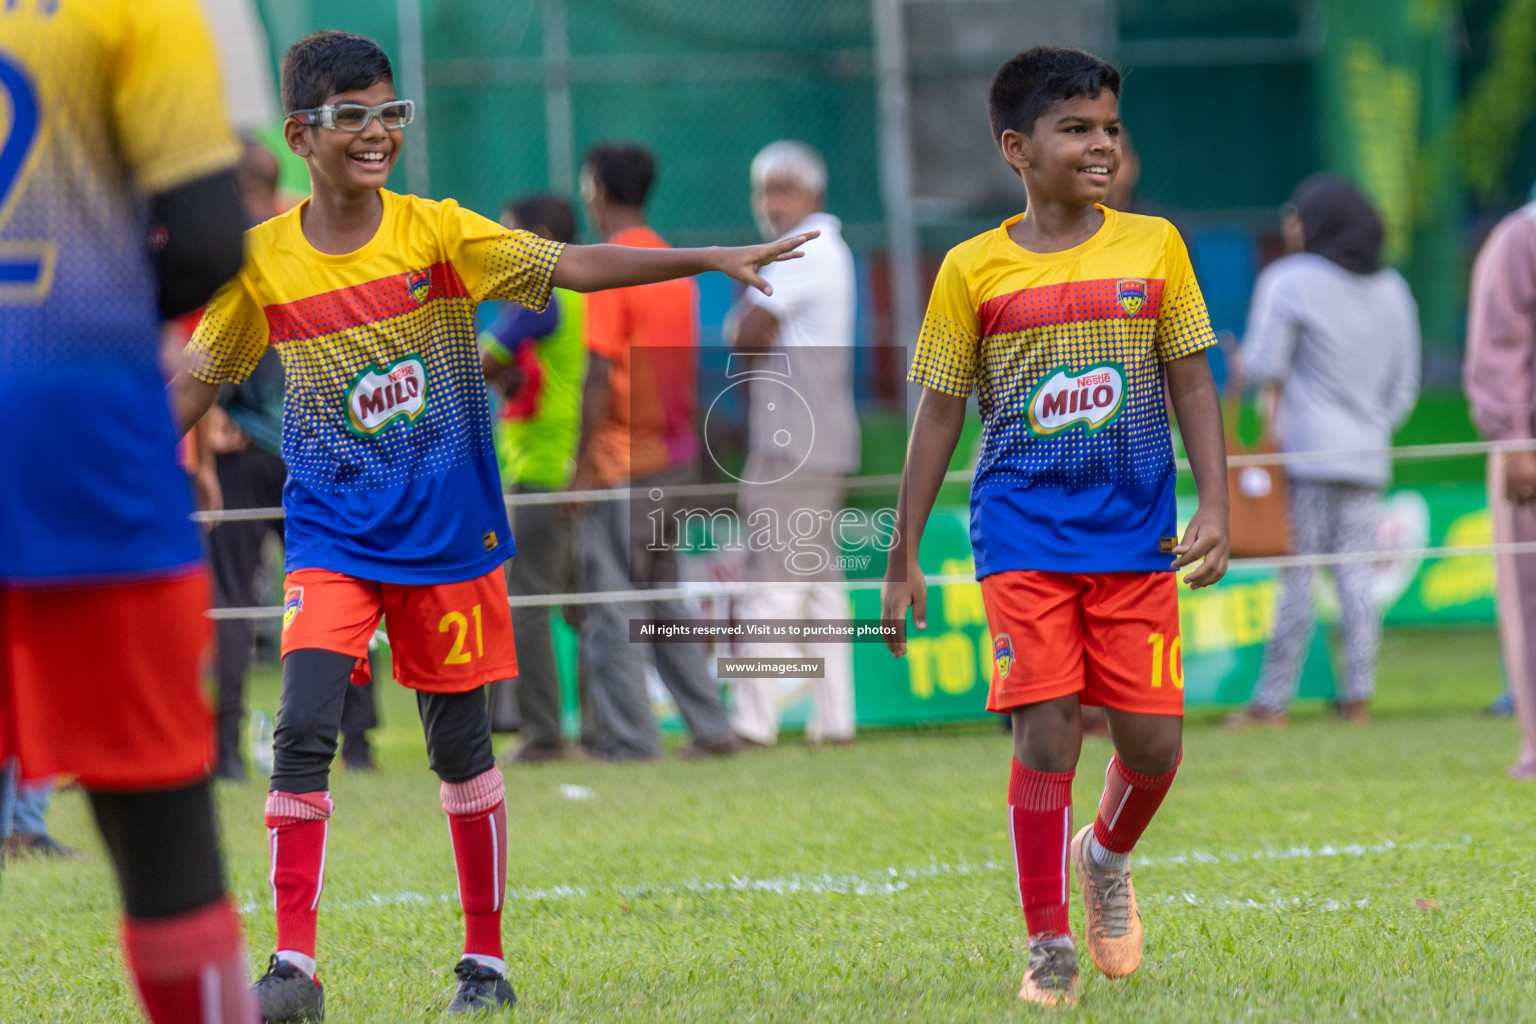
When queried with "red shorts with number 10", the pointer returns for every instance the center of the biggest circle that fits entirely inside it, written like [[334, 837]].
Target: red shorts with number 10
[[443, 637], [1112, 638]]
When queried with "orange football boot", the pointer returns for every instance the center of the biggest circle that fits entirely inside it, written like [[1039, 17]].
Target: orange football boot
[[1112, 926], [1051, 977]]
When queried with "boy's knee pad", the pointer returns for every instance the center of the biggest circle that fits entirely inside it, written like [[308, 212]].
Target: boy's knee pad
[[479, 795]]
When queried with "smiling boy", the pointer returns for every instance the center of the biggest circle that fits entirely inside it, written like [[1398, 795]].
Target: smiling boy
[[393, 500], [1068, 321]]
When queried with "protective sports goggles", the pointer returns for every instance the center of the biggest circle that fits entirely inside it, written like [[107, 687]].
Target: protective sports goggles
[[354, 117]]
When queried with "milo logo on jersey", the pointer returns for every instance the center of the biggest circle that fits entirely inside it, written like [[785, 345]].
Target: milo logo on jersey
[[1092, 397], [380, 396]]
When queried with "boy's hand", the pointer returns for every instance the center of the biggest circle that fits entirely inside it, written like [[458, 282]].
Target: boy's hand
[[743, 262], [1520, 477], [896, 596], [1205, 541]]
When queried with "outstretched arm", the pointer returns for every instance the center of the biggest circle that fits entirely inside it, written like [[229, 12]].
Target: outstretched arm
[[935, 432], [190, 399], [1195, 403], [593, 268]]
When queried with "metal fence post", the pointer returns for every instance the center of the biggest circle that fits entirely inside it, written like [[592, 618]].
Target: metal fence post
[[558, 136], [895, 133], [413, 79]]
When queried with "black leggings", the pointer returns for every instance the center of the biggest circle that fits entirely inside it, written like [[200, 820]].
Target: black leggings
[[165, 847], [309, 718]]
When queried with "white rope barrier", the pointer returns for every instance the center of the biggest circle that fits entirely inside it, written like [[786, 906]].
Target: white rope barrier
[[711, 590], [1405, 453]]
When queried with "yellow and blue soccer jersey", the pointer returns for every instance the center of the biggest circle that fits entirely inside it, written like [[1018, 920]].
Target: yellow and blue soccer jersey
[[392, 470], [103, 103], [1065, 352]]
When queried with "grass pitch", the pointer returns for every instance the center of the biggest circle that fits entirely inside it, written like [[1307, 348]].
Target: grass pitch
[[1317, 874]]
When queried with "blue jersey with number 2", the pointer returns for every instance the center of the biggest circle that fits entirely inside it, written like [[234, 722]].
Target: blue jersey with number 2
[[109, 103]]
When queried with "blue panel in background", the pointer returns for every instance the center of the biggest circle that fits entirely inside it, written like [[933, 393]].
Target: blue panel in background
[[1224, 263]]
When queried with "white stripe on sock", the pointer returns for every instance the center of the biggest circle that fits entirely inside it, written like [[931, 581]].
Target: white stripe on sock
[[1120, 807], [496, 883], [211, 991], [325, 838], [1066, 844], [1013, 844]]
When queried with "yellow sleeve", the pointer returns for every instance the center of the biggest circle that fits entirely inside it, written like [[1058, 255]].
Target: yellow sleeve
[[948, 347], [1183, 325], [167, 98], [231, 338], [495, 263]]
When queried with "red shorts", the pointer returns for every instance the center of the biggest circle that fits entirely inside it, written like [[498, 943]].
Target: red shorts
[[104, 682], [1112, 638], [444, 637]]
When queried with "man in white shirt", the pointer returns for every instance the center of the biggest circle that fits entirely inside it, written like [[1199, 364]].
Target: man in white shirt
[[803, 437]]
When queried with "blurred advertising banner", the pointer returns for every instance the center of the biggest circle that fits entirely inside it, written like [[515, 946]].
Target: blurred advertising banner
[[1387, 95], [947, 670], [945, 676]]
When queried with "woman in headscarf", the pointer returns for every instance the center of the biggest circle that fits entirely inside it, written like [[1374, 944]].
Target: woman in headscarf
[[1333, 341]]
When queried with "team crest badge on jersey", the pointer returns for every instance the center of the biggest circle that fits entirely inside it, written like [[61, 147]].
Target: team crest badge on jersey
[[1002, 654], [1131, 292], [293, 603], [379, 396], [420, 284], [1092, 397]]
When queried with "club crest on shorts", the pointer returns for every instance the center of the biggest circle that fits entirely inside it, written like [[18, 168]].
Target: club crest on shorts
[[420, 284], [1002, 654], [293, 603]]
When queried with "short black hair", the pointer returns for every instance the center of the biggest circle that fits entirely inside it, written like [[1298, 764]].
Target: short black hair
[[325, 63], [1025, 87], [626, 170], [544, 209]]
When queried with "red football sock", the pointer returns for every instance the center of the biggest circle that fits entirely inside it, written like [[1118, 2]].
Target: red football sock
[[297, 824], [477, 819], [1130, 800], [190, 968], [1040, 823]]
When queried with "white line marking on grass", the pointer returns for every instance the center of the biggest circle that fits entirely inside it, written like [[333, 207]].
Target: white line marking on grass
[[896, 880], [1201, 857], [1276, 902]]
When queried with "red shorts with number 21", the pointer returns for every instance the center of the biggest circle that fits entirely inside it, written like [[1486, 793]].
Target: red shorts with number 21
[[1112, 638], [444, 637]]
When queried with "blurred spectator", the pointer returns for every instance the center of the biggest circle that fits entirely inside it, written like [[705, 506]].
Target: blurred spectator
[[1122, 191], [244, 433], [23, 817], [1333, 340], [537, 362], [790, 470], [637, 429], [1500, 378]]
